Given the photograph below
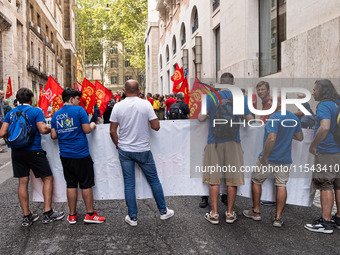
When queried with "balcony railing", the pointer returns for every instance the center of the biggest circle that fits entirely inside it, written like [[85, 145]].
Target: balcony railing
[[216, 4]]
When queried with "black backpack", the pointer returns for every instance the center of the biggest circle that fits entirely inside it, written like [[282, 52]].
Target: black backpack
[[336, 133], [224, 111], [175, 112]]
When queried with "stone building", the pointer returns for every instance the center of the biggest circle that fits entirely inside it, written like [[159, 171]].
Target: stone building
[[118, 69], [115, 69], [254, 39], [37, 39]]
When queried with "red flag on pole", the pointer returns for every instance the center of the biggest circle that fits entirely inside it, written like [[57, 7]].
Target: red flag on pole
[[177, 78], [79, 86], [88, 96], [196, 98], [185, 89], [103, 97], [9, 88], [74, 86], [57, 103], [40, 95], [51, 91]]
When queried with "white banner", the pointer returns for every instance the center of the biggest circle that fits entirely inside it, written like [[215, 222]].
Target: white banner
[[177, 148]]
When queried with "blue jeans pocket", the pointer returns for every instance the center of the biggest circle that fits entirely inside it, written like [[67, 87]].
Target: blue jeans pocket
[[144, 157]]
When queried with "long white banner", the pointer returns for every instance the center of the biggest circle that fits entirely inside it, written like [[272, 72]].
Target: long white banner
[[177, 148]]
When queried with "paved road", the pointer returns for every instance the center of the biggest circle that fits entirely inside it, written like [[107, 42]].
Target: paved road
[[186, 233]]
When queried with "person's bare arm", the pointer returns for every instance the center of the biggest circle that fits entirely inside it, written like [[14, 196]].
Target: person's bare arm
[[202, 117], [155, 124], [299, 113], [268, 147], [43, 128], [113, 133], [298, 136], [4, 129], [320, 135], [87, 128], [54, 134]]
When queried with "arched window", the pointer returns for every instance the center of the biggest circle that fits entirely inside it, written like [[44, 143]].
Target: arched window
[[183, 34], [174, 48], [160, 62], [167, 54], [194, 19]]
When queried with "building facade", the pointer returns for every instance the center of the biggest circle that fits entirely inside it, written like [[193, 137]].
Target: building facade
[[118, 69], [115, 69], [255, 39], [37, 39]]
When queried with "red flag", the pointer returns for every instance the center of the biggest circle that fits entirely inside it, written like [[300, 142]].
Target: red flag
[[103, 97], [74, 86], [57, 103], [177, 78], [88, 97], [40, 95], [9, 88], [79, 86], [51, 91], [185, 89], [196, 98]]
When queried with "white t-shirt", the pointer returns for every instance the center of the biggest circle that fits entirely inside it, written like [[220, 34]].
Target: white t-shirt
[[133, 116]]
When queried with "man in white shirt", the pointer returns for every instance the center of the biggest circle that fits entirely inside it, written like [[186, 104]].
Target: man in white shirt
[[134, 117]]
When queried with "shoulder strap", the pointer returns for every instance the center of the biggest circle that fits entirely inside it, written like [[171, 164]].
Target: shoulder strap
[[329, 99]]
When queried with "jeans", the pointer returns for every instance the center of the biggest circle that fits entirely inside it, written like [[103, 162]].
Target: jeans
[[147, 164]]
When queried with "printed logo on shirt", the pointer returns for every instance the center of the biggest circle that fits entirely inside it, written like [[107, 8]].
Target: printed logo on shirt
[[67, 123], [64, 123]]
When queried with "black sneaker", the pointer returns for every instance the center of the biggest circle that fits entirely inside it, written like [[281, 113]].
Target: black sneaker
[[53, 216], [204, 202], [336, 221], [28, 220], [321, 226]]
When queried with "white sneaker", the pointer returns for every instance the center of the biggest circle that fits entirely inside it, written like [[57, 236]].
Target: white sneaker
[[132, 222], [169, 213]]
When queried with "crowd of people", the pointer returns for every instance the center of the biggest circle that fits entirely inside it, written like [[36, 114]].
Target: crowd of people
[[131, 115], [276, 154]]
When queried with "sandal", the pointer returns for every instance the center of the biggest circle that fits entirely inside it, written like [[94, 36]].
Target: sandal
[[213, 219]]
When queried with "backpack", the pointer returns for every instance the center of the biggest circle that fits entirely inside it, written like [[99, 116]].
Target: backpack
[[111, 103], [225, 111], [156, 105], [336, 133], [20, 131], [175, 112], [308, 121]]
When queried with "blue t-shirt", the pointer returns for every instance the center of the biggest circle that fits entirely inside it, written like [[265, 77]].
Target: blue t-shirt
[[282, 151], [327, 110], [34, 116], [211, 108], [71, 138]]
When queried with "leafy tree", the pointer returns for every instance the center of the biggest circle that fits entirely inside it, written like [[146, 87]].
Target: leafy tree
[[131, 19], [92, 32], [125, 22]]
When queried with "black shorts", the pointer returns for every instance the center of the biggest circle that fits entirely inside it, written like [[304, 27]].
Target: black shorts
[[78, 170], [24, 160]]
